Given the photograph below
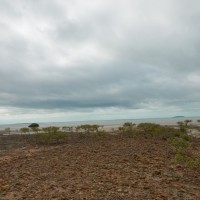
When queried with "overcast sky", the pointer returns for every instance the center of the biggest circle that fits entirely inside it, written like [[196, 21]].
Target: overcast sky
[[66, 60]]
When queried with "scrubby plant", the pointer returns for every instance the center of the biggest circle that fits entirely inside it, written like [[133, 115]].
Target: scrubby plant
[[180, 143], [51, 129], [167, 133], [150, 129], [24, 130], [182, 126], [128, 129], [33, 125], [193, 163], [187, 121], [67, 128], [35, 129], [7, 130], [180, 157], [50, 137], [87, 128], [101, 133]]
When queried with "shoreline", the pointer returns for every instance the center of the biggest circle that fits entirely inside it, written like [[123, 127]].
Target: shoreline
[[106, 123]]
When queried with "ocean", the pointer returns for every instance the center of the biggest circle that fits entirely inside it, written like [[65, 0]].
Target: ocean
[[105, 123]]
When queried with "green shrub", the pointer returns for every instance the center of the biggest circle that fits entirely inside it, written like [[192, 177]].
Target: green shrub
[[51, 136], [51, 129], [182, 126], [128, 129], [180, 143], [181, 157], [101, 133], [194, 163], [187, 121], [24, 130], [87, 128], [33, 125], [151, 129], [67, 128]]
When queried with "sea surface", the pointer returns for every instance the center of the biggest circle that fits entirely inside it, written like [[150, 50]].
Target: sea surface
[[106, 123]]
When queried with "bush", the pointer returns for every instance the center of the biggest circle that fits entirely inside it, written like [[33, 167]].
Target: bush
[[187, 121], [33, 125], [67, 128], [7, 130], [194, 163], [101, 133], [24, 130], [180, 143], [87, 128], [51, 137], [127, 129], [181, 157], [51, 129], [182, 126], [151, 129]]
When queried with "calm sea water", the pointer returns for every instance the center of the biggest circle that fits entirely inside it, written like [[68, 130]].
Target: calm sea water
[[106, 123]]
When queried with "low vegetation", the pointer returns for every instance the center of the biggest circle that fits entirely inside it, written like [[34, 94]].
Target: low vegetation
[[121, 163], [24, 130], [87, 128], [128, 129], [177, 137], [33, 125], [50, 129], [51, 137]]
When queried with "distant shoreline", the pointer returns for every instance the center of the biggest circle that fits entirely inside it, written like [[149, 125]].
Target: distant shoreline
[[106, 123]]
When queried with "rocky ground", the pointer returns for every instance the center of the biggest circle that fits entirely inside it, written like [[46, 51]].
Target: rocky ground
[[106, 168]]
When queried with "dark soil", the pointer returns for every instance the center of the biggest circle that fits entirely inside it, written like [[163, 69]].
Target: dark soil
[[106, 168]]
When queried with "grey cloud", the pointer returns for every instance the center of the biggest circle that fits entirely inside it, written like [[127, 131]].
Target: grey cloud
[[122, 55]]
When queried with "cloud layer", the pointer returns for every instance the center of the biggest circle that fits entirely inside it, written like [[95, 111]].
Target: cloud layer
[[89, 58]]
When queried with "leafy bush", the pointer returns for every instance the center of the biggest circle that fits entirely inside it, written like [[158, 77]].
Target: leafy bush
[[7, 130], [128, 129], [181, 158], [151, 129], [51, 129], [187, 121], [67, 128], [194, 163], [101, 133], [24, 130], [33, 125], [182, 126], [47, 137], [180, 143], [87, 128]]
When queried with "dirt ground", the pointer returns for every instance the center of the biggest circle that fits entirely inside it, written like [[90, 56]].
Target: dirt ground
[[107, 168]]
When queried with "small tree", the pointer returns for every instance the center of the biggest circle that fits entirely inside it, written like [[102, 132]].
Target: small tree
[[187, 121], [182, 126], [33, 125]]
